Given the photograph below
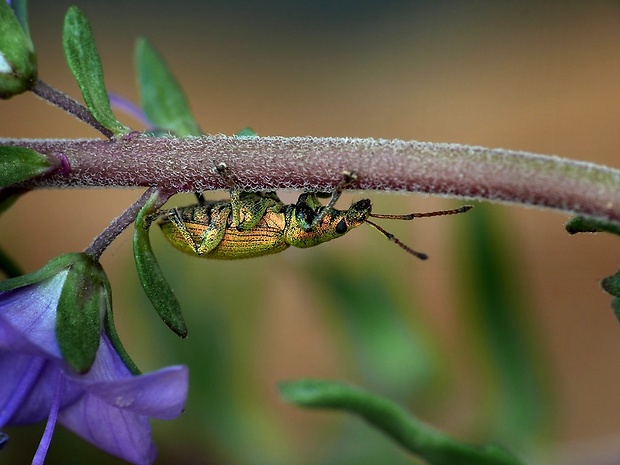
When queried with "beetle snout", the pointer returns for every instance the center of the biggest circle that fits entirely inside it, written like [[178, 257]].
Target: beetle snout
[[363, 205]]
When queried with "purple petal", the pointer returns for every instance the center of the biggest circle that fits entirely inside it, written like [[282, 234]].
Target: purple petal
[[39, 378], [28, 318], [161, 394], [44, 444], [116, 431], [127, 106]]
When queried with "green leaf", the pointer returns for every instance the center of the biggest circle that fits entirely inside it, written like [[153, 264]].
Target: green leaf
[[85, 64], [391, 352], [496, 304], [82, 304], [581, 224], [161, 97], [18, 164], [412, 434], [151, 277], [611, 285], [18, 62]]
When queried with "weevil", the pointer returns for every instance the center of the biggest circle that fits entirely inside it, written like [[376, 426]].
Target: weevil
[[252, 224]]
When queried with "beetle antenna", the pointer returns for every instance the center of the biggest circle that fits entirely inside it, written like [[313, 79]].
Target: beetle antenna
[[390, 236], [454, 211]]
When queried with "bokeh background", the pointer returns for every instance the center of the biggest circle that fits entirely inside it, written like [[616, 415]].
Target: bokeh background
[[503, 335]]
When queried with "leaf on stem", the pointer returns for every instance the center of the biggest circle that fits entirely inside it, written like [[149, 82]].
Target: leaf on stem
[[18, 164], [581, 224], [85, 64], [417, 437], [151, 277], [161, 97]]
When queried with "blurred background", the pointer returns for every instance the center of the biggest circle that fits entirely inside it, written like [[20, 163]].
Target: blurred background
[[502, 335]]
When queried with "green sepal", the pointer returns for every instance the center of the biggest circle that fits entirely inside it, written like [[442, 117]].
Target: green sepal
[[416, 437], [51, 268], [247, 132], [85, 64], [581, 224], [83, 302], [151, 277], [20, 163], [110, 330], [161, 96], [20, 8], [18, 62]]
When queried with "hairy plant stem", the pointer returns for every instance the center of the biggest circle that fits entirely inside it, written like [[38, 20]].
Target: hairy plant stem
[[66, 103], [316, 164], [122, 222]]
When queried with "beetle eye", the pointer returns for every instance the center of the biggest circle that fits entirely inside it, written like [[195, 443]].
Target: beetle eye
[[341, 227]]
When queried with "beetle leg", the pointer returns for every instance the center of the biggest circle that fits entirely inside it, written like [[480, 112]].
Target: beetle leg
[[200, 197], [348, 177], [175, 218]]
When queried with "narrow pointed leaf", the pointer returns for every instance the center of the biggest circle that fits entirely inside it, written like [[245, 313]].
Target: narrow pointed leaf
[[161, 97], [80, 308], [580, 224], [18, 63], [417, 437], [19, 163], [151, 277], [85, 64], [611, 285], [498, 309]]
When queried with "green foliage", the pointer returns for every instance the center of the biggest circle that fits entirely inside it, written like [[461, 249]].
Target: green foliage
[[18, 63], [390, 353], [415, 436], [152, 279], [611, 284], [495, 305], [161, 97], [581, 224], [85, 64], [18, 164]]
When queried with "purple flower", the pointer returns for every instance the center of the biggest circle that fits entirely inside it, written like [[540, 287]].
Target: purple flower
[[108, 405]]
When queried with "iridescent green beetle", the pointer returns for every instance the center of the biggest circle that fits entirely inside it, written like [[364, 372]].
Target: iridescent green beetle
[[252, 224]]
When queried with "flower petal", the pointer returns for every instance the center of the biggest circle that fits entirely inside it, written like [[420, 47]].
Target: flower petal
[[28, 318], [161, 394], [36, 375], [116, 431]]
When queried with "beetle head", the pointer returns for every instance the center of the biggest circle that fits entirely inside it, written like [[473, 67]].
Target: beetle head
[[304, 231]]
